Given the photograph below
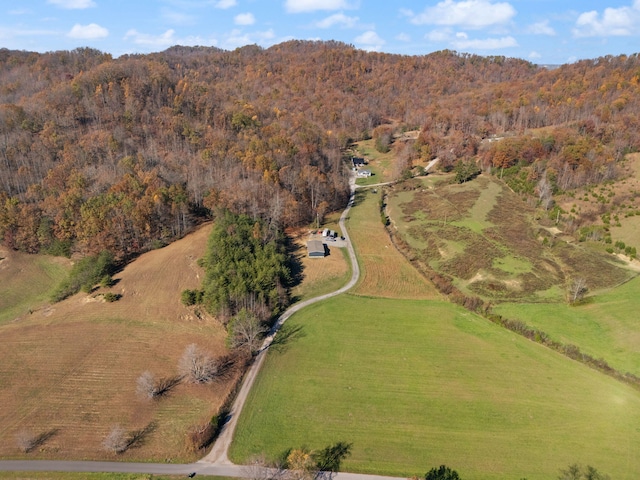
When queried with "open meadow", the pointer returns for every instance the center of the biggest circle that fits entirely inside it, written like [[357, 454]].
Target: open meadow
[[605, 326], [68, 371], [26, 281], [416, 384]]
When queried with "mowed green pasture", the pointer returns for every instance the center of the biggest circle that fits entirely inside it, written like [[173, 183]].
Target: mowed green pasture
[[26, 281], [416, 384], [607, 326]]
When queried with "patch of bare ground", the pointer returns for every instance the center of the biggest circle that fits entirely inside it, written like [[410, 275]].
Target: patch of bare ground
[[72, 368]]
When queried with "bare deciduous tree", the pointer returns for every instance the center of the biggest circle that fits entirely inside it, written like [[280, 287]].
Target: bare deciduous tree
[[117, 441], [146, 385], [577, 290], [245, 331], [197, 366], [26, 440], [545, 192], [259, 468]]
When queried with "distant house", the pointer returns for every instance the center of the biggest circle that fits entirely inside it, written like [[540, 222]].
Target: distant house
[[316, 249], [363, 173], [358, 162]]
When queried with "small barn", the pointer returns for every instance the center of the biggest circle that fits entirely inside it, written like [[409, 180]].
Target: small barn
[[316, 249]]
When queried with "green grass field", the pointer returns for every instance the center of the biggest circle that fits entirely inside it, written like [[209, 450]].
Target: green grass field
[[605, 327], [416, 384], [27, 282]]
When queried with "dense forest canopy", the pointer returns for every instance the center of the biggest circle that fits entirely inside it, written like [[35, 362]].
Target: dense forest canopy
[[119, 154]]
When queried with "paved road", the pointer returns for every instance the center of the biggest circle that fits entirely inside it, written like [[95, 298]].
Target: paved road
[[217, 461], [199, 468]]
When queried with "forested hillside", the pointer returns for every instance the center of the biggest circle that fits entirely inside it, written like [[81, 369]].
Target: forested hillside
[[123, 154]]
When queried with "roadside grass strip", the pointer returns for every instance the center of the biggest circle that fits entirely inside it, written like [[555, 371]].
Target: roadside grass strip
[[417, 384]]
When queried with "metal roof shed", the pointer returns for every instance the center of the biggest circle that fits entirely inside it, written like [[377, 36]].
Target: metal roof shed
[[316, 249]]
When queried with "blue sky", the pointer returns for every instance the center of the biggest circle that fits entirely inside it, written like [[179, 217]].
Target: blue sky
[[543, 31]]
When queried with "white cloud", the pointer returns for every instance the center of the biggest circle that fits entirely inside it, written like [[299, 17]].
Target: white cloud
[[623, 21], [541, 28], [337, 19], [164, 40], [299, 6], [534, 55], [177, 18], [244, 19], [369, 41], [73, 4], [11, 33], [238, 39], [465, 13], [403, 37], [88, 32], [224, 4], [462, 42], [440, 35]]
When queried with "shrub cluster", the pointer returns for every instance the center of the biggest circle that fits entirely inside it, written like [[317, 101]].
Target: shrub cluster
[[85, 275]]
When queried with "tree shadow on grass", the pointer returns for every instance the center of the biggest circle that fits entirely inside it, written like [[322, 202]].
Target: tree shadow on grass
[[166, 384], [286, 335], [29, 442], [137, 438]]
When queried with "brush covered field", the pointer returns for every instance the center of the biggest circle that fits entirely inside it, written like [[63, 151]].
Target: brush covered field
[[492, 244]]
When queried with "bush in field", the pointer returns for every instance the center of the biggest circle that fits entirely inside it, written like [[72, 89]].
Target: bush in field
[[85, 275], [191, 297], [111, 297], [442, 473]]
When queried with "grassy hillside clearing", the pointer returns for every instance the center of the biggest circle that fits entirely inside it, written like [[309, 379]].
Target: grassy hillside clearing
[[492, 244], [415, 384], [26, 281], [380, 164], [71, 368], [604, 327], [384, 271]]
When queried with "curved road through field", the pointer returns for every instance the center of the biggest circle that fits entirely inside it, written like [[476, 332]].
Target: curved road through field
[[218, 454], [217, 461]]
